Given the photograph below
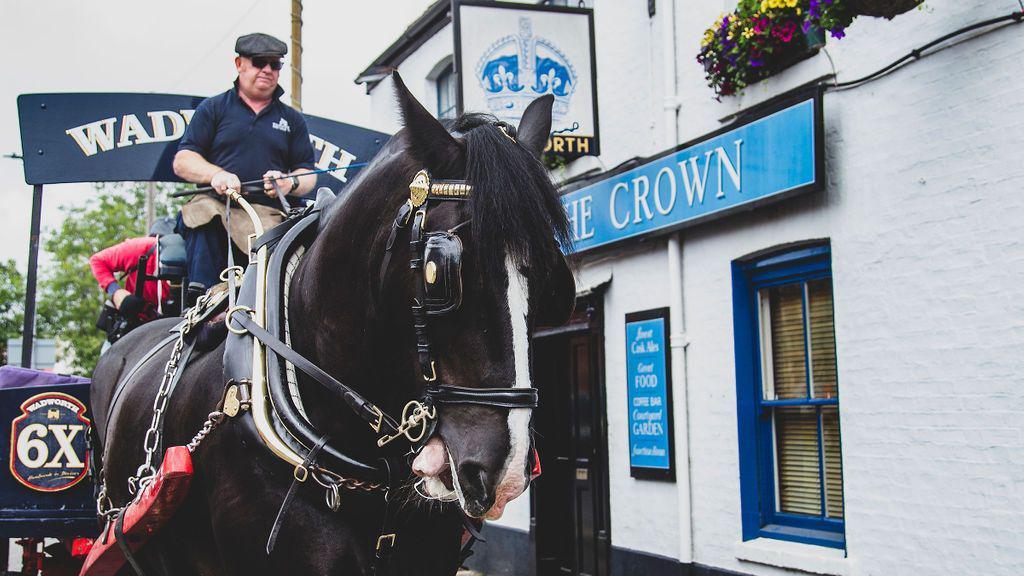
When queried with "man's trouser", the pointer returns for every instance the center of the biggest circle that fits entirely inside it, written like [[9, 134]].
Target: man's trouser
[[206, 247]]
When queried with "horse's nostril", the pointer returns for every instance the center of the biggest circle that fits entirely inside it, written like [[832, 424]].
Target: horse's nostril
[[477, 484]]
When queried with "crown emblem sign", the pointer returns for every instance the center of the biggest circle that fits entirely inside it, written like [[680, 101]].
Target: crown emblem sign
[[518, 68]]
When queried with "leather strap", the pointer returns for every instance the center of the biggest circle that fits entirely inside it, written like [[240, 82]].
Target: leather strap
[[363, 408], [419, 309], [401, 221], [272, 236], [131, 374], [122, 543], [473, 531], [186, 353], [309, 461], [495, 397]]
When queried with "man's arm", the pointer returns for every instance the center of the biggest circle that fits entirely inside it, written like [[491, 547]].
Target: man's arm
[[191, 166], [117, 258]]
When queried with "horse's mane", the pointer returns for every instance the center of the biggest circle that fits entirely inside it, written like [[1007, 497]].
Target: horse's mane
[[514, 205]]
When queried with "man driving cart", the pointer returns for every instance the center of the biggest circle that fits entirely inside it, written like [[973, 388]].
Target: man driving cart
[[246, 133]]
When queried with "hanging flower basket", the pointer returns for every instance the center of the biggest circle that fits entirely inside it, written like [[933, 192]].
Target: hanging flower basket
[[764, 37], [883, 8]]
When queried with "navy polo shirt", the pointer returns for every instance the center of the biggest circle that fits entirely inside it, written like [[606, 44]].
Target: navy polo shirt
[[227, 133]]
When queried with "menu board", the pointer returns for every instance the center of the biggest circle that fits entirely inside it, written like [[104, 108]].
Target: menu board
[[649, 386]]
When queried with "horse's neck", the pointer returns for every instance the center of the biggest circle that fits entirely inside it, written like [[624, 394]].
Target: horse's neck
[[334, 318]]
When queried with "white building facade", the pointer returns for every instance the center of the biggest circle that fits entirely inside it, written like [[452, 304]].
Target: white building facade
[[846, 364]]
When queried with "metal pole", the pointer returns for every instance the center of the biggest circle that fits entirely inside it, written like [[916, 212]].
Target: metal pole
[[297, 55], [150, 205], [28, 330]]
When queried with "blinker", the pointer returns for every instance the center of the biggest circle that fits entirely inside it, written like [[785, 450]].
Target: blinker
[[442, 273]]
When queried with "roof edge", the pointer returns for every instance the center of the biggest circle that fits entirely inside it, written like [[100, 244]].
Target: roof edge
[[432, 21]]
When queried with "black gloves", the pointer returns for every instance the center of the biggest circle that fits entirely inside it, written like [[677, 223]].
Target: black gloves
[[132, 306]]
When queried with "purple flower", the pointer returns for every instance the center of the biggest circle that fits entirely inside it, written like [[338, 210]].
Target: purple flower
[[756, 62], [838, 32]]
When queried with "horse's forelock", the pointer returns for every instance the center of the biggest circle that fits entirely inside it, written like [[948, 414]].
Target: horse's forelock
[[515, 207]]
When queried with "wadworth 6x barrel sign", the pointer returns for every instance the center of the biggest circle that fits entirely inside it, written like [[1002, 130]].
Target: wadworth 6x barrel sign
[[48, 442], [97, 137]]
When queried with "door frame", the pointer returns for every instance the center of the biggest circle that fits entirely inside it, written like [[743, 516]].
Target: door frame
[[593, 305]]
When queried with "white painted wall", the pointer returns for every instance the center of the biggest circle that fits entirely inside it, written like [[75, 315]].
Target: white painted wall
[[924, 215]]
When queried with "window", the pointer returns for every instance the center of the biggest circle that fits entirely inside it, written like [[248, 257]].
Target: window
[[787, 389], [446, 93]]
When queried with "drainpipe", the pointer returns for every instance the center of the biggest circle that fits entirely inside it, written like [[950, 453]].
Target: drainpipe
[[677, 336]]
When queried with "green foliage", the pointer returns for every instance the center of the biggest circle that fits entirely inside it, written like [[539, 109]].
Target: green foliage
[[70, 299], [12, 298], [553, 161]]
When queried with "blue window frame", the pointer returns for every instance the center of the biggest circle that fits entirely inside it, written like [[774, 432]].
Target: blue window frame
[[787, 394], [446, 93]]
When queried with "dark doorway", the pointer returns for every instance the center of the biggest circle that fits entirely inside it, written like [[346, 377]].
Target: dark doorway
[[570, 500]]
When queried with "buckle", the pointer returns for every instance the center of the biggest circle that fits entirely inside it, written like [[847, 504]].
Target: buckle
[[380, 419], [433, 373], [301, 473], [388, 539]]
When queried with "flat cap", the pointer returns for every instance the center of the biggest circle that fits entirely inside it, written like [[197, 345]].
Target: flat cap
[[259, 44]]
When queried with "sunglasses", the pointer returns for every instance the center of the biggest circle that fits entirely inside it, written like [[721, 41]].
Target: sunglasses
[[261, 61]]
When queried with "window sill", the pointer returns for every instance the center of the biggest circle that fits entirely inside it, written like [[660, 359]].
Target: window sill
[[792, 555]]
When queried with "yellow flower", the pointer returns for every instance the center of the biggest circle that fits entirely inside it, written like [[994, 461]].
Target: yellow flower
[[798, 11], [764, 5]]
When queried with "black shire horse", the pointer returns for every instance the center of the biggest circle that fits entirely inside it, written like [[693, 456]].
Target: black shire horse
[[358, 327]]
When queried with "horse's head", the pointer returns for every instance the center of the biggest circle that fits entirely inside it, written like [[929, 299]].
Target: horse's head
[[493, 272]]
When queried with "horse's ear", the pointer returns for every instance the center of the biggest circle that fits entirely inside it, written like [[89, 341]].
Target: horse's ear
[[535, 125], [432, 145]]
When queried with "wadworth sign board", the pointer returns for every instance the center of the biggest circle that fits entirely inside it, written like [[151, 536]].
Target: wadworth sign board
[[510, 54], [776, 154], [97, 137]]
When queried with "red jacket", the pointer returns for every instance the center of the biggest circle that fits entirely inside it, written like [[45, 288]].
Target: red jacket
[[124, 257]]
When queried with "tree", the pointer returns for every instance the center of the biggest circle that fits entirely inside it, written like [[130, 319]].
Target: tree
[[70, 299], [12, 298]]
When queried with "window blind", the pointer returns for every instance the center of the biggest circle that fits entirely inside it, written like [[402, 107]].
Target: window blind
[[807, 446], [797, 454]]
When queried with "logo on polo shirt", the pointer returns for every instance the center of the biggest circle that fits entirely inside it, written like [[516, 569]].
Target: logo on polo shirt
[[282, 125]]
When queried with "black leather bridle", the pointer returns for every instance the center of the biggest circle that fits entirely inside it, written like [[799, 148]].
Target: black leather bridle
[[435, 260]]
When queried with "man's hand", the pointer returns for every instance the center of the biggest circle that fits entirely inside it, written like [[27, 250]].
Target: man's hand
[[129, 304], [283, 181], [223, 180]]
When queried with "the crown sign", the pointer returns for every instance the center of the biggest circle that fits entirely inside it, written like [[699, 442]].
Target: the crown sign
[[516, 69]]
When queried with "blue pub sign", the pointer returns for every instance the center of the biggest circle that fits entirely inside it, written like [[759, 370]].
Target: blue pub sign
[[773, 153], [649, 395]]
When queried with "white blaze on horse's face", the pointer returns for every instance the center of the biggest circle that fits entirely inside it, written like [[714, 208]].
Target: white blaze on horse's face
[[435, 465], [513, 479]]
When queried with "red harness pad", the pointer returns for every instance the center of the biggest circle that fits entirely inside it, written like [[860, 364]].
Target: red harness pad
[[535, 472], [145, 515]]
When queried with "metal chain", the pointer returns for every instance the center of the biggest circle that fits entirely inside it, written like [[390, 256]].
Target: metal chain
[[146, 472], [215, 419], [104, 507]]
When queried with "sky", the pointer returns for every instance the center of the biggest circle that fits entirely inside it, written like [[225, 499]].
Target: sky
[[180, 47]]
